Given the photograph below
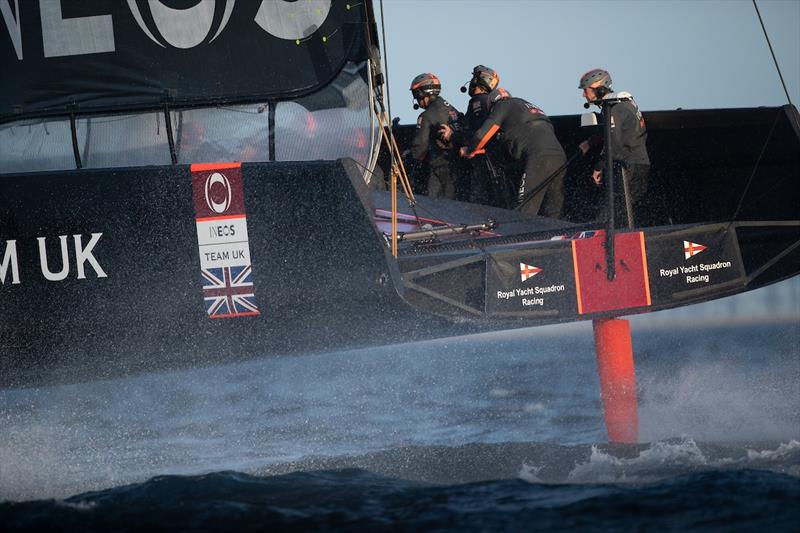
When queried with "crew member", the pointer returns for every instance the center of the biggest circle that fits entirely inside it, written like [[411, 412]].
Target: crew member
[[427, 144], [485, 181], [628, 140], [528, 137]]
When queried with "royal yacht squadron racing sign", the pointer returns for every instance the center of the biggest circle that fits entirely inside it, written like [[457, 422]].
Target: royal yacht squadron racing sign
[[537, 282], [693, 262], [225, 266]]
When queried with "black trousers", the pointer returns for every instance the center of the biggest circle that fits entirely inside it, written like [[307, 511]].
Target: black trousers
[[442, 182], [549, 200], [634, 178], [488, 181]]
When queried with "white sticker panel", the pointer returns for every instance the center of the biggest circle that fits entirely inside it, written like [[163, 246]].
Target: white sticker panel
[[224, 255], [222, 230]]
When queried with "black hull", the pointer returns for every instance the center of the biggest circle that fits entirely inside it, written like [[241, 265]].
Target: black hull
[[322, 274]]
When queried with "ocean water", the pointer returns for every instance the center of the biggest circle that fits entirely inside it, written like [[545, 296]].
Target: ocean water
[[500, 431]]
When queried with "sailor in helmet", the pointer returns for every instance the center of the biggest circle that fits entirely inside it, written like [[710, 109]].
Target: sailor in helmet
[[528, 137], [628, 139], [490, 178], [427, 145]]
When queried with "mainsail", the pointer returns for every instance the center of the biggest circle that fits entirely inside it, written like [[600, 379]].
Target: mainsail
[[108, 84], [77, 56]]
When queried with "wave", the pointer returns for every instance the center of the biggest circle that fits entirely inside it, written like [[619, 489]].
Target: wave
[[680, 482], [358, 500]]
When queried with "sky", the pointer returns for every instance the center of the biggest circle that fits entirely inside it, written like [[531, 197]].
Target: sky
[[698, 54]]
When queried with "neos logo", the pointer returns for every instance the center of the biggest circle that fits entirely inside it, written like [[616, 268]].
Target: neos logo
[[292, 20], [182, 28], [187, 28], [218, 193], [166, 26]]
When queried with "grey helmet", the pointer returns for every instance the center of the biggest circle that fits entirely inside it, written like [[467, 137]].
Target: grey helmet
[[426, 84], [593, 77], [485, 77], [482, 77]]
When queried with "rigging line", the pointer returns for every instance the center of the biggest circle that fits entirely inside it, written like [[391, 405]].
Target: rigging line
[[373, 90], [500, 221], [416, 206], [397, 159], [76, 153], [769, 43], [178, 132], [173, 155], [87, 140], [366, 169], [775, 184], [386, 63], [374, 150], [412, 205], [755, 167], [720, 238], [411, 202], [545, 183], [396, 169]]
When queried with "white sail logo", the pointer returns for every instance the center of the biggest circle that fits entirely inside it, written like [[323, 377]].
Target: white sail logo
[[187, 28], [218, 207], [178, 28], [292, 20], [182, 28]]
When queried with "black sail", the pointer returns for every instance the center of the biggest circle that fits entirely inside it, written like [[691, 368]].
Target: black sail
[[76, 56]]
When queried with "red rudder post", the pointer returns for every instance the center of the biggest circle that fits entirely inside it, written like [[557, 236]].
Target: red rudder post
[[612, 342]]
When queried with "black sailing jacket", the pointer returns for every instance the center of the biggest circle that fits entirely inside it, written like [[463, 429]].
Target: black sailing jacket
[[527, 132], [628, 135], [424, 146]]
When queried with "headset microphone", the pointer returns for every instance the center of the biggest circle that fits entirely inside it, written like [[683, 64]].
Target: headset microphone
[[464, 88], [586, 105], [416, 106]]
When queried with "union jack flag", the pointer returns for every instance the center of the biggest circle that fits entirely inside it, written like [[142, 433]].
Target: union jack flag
[[228, 291], [585, 234], [580, 235]]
